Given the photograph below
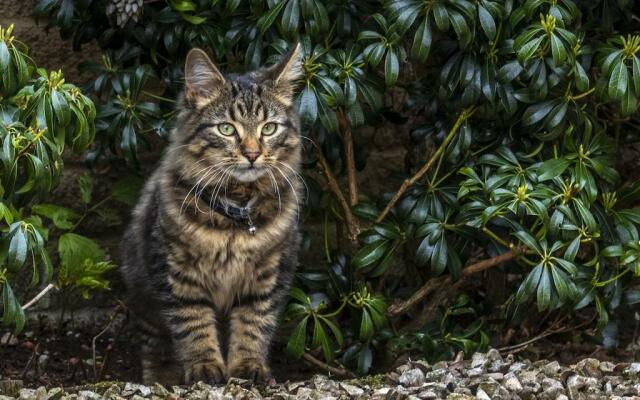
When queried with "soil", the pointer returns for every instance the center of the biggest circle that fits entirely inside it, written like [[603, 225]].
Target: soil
[[45, 355]]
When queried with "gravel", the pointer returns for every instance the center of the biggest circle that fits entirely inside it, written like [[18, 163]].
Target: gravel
[[485, 376]]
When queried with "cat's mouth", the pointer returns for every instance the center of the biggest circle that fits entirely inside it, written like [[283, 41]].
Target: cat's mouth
[[249, 173]]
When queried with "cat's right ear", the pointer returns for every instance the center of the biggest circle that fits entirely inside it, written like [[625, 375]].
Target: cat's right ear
[[202, 79]]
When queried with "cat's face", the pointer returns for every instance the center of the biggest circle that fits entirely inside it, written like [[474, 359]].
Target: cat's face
[[244, 126]]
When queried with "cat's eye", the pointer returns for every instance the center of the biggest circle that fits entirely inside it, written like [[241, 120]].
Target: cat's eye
[[269, 128], [226, 129]]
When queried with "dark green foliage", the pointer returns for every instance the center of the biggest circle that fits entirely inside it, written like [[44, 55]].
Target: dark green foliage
[[528, 103], [40, 116]]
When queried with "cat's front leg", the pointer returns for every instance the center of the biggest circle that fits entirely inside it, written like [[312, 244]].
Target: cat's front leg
[[252, 326], [253, 320], [194, 332]]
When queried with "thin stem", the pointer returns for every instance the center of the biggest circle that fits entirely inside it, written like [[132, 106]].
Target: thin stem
[[352, 224], [464, 114], [581, 95], [336, 371], [347, 138]]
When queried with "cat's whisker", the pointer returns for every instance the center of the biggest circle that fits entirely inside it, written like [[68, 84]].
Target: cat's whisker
[[299, 176], [293, 190], [274, 183], [195, 186]]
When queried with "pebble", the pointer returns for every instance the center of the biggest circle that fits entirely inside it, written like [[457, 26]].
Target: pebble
[[412, 377], [482, 376]]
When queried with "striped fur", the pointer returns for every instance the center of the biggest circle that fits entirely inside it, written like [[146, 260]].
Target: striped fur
[[205, 292]]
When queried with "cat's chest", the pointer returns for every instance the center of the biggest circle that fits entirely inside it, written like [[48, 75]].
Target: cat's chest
[[227, 262]]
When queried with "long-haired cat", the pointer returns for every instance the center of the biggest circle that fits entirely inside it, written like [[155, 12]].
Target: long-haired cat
[[210, 253]]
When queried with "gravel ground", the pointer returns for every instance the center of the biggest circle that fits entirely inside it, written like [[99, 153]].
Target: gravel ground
[[484, 376]]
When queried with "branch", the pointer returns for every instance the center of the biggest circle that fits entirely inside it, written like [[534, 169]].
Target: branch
[[438, 283], [38, 296], [347, 137], [336, 371], [352, 224], [464, 114]]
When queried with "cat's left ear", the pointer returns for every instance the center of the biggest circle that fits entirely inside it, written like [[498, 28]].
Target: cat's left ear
[[286, 74]]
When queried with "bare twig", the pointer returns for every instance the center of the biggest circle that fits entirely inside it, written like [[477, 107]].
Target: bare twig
[[352, 224], [112, 318], [444, 281], [551, 331], [464, 114], [38, 296], [336, 371], [347, 138]]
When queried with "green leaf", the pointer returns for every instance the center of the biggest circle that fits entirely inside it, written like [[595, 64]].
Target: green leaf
[[75, 249], [618, 81], [61, 217], [552, 168], [291, 17], [308, 107], [440, 256], [422, 41], [558, 51], [17, 247], [544, 290], [298, 338], [537, 112], [5, 57], [193, 19], [528, 240], [486, 22], [527, 51], [60, 108], [126, 190], [366, 326], [370, 254], [391, 68], [265, 22]]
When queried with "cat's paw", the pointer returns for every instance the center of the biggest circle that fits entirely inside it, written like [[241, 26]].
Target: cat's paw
[[207, 371], [252, 369]]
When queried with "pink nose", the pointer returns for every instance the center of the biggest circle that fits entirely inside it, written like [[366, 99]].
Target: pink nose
[[251, 155]]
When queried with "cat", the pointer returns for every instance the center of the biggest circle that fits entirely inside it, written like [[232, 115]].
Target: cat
[[210, 253]]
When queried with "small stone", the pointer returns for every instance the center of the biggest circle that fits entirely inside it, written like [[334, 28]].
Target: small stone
[[473, 372], [436, 374], [479, 360], [428, 395], [8, 339], [26, 394], [460, 396], [562, 397], [352, 390], [633, 369], [552, 368], [575, 383], [412, 377], [482, 395], [551, 387], [89, 395], [55, 393], [512, 383], [589, 367], [607, 367]]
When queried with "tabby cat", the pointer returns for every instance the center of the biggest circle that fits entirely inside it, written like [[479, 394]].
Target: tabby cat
[[211, 249]]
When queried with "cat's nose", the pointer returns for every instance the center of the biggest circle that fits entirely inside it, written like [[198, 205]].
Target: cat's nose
[[251, 154]]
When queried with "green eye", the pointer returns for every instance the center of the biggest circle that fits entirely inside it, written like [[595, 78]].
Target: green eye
[[226, 129], [269, 129]]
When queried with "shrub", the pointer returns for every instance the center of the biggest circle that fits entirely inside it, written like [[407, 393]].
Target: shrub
[[526, 102], [40, 116]]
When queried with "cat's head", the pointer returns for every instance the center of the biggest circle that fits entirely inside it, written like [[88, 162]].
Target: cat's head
[[245, 125]]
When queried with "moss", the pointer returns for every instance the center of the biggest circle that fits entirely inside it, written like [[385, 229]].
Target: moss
[[375, 381], [101, 387]]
